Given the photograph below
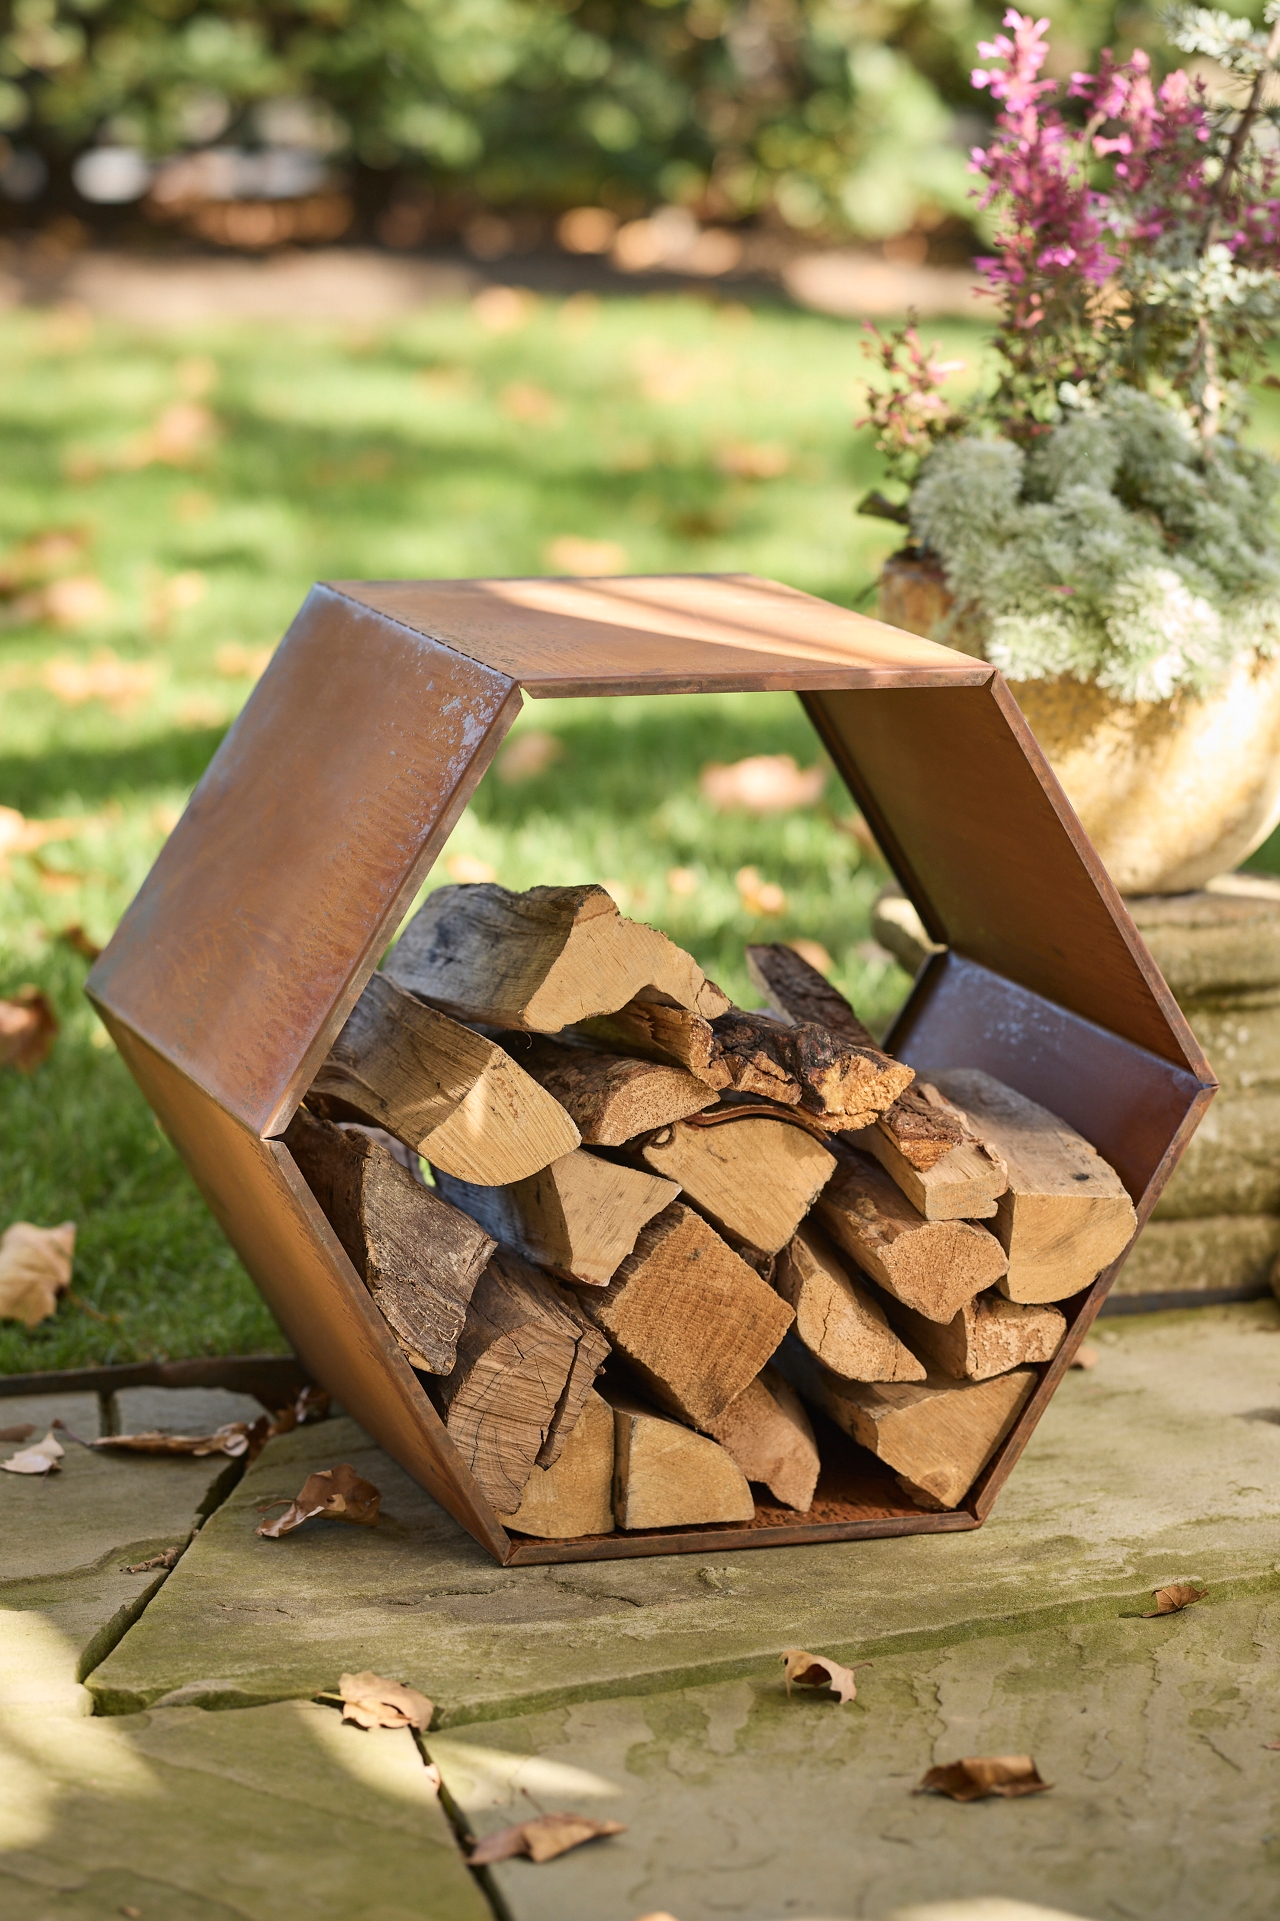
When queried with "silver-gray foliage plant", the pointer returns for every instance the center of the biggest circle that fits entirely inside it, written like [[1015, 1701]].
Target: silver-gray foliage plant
[[1116, 551]]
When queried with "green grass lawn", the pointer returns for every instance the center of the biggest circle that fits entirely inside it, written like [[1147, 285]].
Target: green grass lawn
[[203, 481]]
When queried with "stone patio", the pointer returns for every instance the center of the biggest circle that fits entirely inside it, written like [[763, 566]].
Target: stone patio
[[162, 1754]]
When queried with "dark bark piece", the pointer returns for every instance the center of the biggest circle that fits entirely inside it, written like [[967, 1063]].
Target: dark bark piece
[[609, 1097], [418, 1256], [797, 992], [693, 1320], [961, 1183], [527, 1360], [841, 1084]]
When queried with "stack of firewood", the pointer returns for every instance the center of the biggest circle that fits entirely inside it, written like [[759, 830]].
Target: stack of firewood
[[659, 1228]]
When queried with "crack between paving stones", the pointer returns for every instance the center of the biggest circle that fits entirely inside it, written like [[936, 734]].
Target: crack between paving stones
[[463, 1834]]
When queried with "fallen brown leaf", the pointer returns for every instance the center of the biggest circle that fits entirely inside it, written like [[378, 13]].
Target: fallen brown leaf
[[761, 784], [44, 1458], [815, 953], [1172, 1600], [816, 1671], [311, 1405], [1272, 1747], [121, 685], [571, 554], [35, 1267], [542, 1839], [80, 942], [28, 1029], [372, 1702], [21, 1431], [336, 1493], [983, 1774], [168, 1557], [1086, 1357], [235, 1439], [527, 755], [759, 896], [37, 559]]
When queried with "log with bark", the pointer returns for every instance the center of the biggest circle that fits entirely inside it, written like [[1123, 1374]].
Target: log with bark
[[755, 1178], [837, 1315], [446, 1092], [419, 1257], [578, 1218], [694, 1321], [665, 1475], [933, 1266], [609, 1097], [527, 1359], [574, 1497], [988, 1336], [768, 1434], [962, 1184], [672, 1036], [1064, 1214], [937, 1435], [840, 1083], [541, 960]]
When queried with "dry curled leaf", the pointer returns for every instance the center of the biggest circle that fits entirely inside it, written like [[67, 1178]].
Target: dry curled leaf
[[816, 1671], [235, 1439], [20, 1431], [542, 1839], [336, 1493], [167, 1558], [374, 1702], [1086, 1357], [35, 1267], [1172, 1600], [761, 784], [28, 1029], [982, 1774], [44, 1458]]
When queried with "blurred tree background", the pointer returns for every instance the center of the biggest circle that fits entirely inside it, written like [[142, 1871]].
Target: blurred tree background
[[404, 119]]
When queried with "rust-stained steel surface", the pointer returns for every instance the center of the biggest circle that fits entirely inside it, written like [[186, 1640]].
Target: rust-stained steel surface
[[307, 839]]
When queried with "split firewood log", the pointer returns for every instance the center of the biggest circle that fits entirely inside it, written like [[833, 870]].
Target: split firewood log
[[419, 1257], [574, 1497], [933, 1266], [527, 1359], [837, 1315], [988, 1336], [664, 1475], [695, 1322], [937, 1435], [674, 1036], [541, 960], [767, 1432], [921, 1128], [579, 1217], [753, 1177], [1064, 1214], [609, 1097], [962, 1184], [446, 1092]]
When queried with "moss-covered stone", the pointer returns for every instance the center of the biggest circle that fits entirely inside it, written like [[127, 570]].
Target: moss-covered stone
[[1201, 1256]]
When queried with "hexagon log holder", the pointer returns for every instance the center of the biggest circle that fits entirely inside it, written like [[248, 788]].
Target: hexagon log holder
[[311, 832]]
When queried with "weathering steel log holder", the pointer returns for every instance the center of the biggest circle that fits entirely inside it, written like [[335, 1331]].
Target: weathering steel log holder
[[307, 840]]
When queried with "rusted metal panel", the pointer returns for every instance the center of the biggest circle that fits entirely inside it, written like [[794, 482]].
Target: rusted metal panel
[[310, 834]]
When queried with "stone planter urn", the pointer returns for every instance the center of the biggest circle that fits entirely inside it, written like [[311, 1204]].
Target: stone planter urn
[[1171, 793]]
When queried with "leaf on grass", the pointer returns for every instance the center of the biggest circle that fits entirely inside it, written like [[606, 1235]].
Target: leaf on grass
[[983, 1774], [80, 942], [336, 1493], [168, 1557], [543, 1839], [44, 1458], [21, 1431], [374, 1702], [35, 1267], [1172, 1600], [815, 1671], [761, 784], [28, 1029], [235, 1439]]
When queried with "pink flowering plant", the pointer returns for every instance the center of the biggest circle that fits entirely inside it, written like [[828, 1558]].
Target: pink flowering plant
[[1096, 508]]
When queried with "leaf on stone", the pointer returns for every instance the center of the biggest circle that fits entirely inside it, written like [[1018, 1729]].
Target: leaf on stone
[[1086, 1357], [35, 1268], [1272, 1746], [981, 1775], [336, 1493], [1172, 1600], [542, 1839], [28, 1029], [167, 1558], [44, 1458], [21, 1431], [816, 1671], [371, 1701], [235, 1439]]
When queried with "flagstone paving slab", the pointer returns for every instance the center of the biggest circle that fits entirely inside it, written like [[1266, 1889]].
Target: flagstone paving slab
[[187, 1816], [1161, 1463], [741, 1803]]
